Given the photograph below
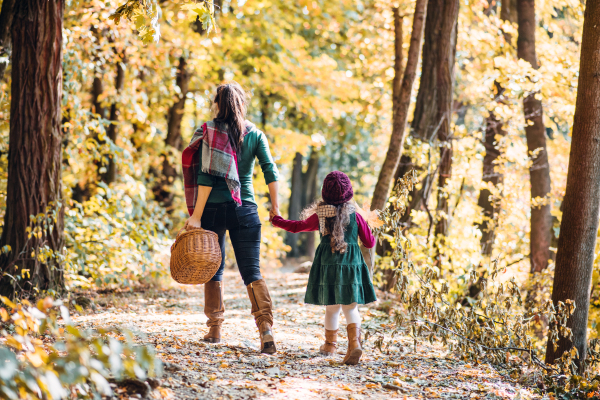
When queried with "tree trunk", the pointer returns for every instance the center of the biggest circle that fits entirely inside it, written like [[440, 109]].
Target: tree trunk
[[111, 169], [539, 172], [489, 208], [264, 110], [295, 205], [401, 101], [389, 274], [6, 17], [433, 110], [97, 90], [579, 226], [508, 12], [311, 188], [434, 100], [170, 172], [35, 156]]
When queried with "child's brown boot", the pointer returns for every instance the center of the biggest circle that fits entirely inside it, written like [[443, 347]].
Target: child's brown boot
[[354, 350], [330, 346], [214, 310]]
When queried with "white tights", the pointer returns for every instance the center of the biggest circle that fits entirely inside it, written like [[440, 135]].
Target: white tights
[[332, 315]]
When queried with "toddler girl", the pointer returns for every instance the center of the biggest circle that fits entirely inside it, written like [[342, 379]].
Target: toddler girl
[[339, 278]]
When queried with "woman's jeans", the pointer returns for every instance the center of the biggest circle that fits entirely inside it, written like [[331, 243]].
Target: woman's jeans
[[244, 227]]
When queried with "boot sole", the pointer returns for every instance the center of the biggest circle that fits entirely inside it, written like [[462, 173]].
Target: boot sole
[[354, 357], [212, 340], [269, 348], [326, 353]]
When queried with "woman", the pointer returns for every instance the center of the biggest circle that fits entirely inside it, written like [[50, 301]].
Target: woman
[[218, 166]]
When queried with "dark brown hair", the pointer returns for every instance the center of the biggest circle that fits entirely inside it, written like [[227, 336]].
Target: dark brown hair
[[335, 225], [232, 103]]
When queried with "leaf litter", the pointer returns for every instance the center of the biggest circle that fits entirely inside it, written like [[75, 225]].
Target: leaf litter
[[173, 321]]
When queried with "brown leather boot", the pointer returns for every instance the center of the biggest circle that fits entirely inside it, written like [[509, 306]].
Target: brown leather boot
[[354, 350], [214, 310], [262, 310], [330, 346]]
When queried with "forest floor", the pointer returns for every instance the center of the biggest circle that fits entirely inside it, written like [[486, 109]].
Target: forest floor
[[173, 322]]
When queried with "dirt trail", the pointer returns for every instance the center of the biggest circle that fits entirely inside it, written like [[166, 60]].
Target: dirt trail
[[173, 321]]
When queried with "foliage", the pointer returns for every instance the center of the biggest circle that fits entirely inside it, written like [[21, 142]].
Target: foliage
[[496, 325], [44, 355], [115, 238]]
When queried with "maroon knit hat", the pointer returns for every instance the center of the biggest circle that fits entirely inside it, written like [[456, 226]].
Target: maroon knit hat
[[337, 188]]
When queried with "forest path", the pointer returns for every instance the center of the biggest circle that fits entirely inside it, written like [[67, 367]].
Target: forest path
[[173, 321]]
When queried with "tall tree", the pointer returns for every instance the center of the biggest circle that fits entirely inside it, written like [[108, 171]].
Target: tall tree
[[401, 100], [433, 110], [110, 174], [173, 141], [539, 172], [493, 132], [304, 191], [295, 205], [34, 161], [311, 188], [579, 226]]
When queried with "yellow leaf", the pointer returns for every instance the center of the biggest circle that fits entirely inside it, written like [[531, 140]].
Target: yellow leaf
[[36, 359], [6, 301], [4, 314]]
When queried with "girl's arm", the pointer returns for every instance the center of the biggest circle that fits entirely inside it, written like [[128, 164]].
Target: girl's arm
[[364, 232], [308, 225], [194, 220]]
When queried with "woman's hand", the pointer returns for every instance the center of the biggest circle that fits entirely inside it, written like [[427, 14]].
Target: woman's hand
[[192, 222]]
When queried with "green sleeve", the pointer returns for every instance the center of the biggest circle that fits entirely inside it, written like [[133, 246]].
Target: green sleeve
[[265, 159], [204, 179]]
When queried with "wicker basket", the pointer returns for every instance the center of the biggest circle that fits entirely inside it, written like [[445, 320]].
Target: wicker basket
[[195, 256]]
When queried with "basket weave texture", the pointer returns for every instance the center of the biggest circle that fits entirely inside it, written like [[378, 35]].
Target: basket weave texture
[[195, 256]]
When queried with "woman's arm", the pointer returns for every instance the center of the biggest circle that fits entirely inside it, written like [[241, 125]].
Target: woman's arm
[[308, 225], [203, 193], [274, 193]]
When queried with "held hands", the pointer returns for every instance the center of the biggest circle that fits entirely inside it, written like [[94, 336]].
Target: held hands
[[274, 213]]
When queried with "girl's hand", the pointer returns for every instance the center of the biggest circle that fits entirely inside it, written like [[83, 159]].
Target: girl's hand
[[192, 222]]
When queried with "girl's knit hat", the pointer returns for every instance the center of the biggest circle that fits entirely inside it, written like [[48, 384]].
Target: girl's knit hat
[[337, 188]]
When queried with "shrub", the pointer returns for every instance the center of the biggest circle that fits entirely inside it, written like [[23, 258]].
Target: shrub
[[44, 357]]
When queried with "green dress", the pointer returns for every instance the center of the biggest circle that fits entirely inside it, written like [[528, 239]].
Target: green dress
[[340, 278]]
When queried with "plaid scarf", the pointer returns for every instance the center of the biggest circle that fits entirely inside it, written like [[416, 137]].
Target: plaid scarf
[[328, 211], [218, 159]]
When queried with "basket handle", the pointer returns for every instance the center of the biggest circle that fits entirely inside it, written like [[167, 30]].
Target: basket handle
[[186, 229]]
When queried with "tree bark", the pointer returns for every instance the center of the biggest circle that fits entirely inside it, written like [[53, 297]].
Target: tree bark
[[295, 205], [389, 274], [97, 90], [433, 110], [493, 131], [170, 172], [579, 226], [35, 156], [264, 110], [401, 101], [434, 100], [111, 169], [539, 172], [6, 17]]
